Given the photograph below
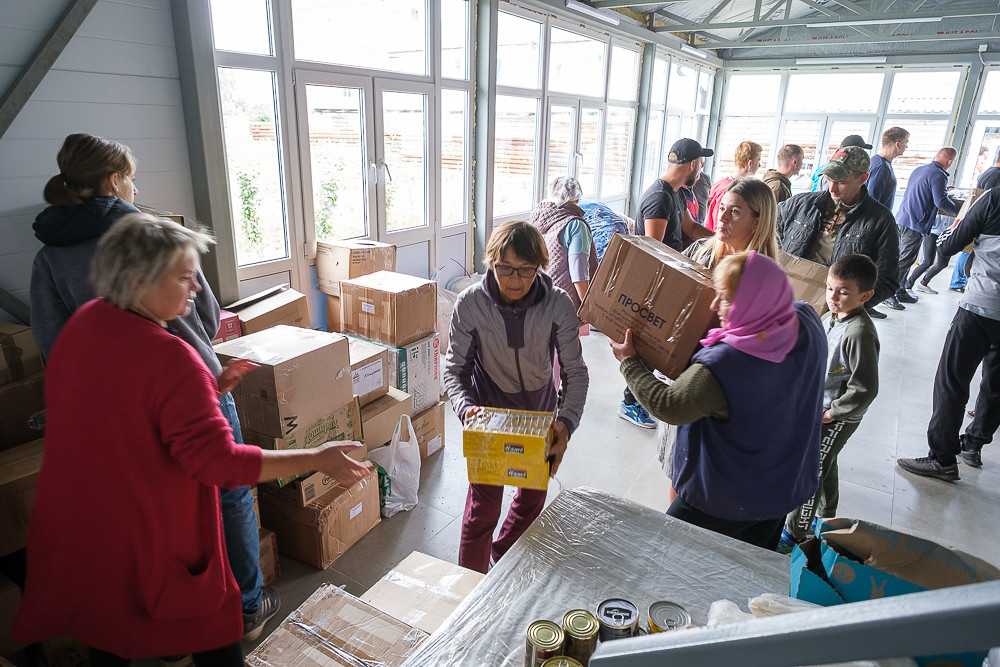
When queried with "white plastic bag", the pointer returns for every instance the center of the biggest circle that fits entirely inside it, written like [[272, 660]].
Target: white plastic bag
[[723, 612], [399, 469]]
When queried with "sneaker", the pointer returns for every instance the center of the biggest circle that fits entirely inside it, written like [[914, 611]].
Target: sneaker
[[906, 296], [972, 455], [926, 289], [787, 543], [925, 466], [636, 414], [875, 314], [893, 302], [253, 624], [960, 290]]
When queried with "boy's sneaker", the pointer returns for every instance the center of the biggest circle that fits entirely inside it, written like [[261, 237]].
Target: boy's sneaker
[[971, 455], [926, 289], [636, 414], [925, 466], [253, 624], [893, 302], [787, 543]]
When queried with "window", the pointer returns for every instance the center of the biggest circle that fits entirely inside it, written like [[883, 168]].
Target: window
[[923, 92], [518, 42], [454, 156], [624, 82], [926, 139], [354, 32], [837, 92], [735, 130], [752, 94], [514, 154], [454, 39], [242, 26], [617, 150], [682, 91], [404, 137], [576, 64]]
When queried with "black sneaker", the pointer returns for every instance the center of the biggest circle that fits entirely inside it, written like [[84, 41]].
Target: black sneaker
[[875, 314], [893, 302], [960, 290], [906, 296], [972, 455], [925, 466], [253, 624]]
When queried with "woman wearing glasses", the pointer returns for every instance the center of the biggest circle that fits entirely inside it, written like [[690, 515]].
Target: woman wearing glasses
[[504, 334]]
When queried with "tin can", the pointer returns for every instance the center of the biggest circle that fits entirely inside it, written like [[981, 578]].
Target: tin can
[[544, 640], [580, 628], [665, 615], [561, 661], [618, 618]]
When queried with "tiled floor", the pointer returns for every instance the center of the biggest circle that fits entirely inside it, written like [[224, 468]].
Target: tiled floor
[[614, 456]]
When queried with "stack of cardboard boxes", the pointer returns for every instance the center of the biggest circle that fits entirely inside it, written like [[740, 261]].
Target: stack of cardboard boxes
[[22, 386], [396, 313]]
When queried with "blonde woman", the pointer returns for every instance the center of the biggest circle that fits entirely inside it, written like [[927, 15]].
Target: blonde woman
[[748, 214]]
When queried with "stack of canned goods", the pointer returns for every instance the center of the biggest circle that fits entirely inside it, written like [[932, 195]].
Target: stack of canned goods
[[571, 644]]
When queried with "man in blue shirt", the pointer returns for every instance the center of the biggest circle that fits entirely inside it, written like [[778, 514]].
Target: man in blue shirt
[[926, 193], [881, 177]]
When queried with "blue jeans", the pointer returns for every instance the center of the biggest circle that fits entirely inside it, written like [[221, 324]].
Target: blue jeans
[[240, 526], [958, 277]]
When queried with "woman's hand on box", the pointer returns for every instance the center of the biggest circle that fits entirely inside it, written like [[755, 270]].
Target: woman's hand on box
[[560, 439], [470, 413], [332, 459], [233, 373], [624, 349]]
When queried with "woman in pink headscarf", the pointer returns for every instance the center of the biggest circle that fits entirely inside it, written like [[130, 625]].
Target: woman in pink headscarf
[[748, 406]]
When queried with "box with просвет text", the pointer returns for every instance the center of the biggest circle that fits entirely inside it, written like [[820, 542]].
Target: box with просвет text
[[663, 296]]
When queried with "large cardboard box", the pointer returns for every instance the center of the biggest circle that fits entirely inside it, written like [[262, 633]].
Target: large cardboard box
[[334, 316], [343, 260], [379, 418], [19, 353], [416, 369], [808, 280], [229, 327], [322, 531], [429, 427], [304, 377], [278, 305], [333, 627], [18, 475], [369, 370], [974, 194], [10, 600], [22, 406], [270, 566], [389, 308], [305, 489], [422, 590], [660, 294]]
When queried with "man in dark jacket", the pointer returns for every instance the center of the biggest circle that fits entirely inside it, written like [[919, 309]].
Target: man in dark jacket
[[824, 226], [925, 194], [974, 338]]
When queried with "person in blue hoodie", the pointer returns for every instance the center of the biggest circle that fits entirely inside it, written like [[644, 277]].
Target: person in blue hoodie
[[94, 189]]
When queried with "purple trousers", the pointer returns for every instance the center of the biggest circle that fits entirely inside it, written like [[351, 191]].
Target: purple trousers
[[482, 511]]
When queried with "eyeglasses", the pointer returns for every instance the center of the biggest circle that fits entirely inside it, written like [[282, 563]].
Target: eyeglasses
[[523, 271]]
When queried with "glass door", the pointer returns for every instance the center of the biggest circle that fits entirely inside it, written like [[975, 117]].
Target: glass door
[[575, 142]]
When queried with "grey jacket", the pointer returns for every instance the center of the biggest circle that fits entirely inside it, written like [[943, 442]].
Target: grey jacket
[[501, 356], [982, 225], [851, 366], [869, 230]]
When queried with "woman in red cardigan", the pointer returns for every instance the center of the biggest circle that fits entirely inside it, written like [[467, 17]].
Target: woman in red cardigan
[[125, 545]]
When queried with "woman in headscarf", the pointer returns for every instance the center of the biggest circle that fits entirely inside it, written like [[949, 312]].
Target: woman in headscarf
[[747, 451]]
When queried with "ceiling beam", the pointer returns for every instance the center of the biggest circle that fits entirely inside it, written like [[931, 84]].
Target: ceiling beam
[[860, 39], [846, 21], [820, 8]]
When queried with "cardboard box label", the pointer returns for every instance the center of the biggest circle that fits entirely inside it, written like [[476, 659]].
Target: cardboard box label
[[434, 444], [356, 510], [368, 307], [368, 378]]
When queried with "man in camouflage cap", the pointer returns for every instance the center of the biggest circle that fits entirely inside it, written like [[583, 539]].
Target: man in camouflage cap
[[824, 226]]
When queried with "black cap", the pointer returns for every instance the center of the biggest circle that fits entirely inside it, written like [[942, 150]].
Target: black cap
[[686, 150], [855, 140]]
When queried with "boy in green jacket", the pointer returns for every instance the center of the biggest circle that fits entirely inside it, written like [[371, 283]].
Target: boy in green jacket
[[851, 383]]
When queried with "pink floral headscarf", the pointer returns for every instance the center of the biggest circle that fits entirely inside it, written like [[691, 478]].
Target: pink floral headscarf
[[761, 321]]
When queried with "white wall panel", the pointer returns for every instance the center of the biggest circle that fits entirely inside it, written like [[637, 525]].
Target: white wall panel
[[43, 120]]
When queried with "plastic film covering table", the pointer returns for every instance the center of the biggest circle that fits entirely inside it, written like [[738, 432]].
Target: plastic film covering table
[[586, 547]]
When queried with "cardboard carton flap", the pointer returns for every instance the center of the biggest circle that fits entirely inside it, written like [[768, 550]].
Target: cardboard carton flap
[[257, 298], [913, 559], [276, 345]]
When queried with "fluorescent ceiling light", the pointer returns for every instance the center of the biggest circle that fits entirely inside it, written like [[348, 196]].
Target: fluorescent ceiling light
[[693, 51], [592, 12], [850, 22], [845, 60]]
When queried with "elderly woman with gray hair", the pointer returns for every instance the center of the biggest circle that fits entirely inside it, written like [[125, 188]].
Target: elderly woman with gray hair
[[125, 546], [572, 255]]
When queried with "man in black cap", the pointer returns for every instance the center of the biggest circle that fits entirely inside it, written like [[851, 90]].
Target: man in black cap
[[663, 215]]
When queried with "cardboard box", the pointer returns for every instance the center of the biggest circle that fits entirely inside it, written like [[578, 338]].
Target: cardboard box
[[429, 427], [517, 436], [422, 590], [334, 317], [660, 294], [343, 260], [304, 377], [22, 408], [808, 280], [508, 471], [974, 194], [229, 327], [278, 305], [10, 600], [175, 217], [380, 417], [416, 369], [305, 489], [389, 308], [369, 370], [19, 468], [270, 566], [256, 505], [319, 533], [333, 627], [19, 353]]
